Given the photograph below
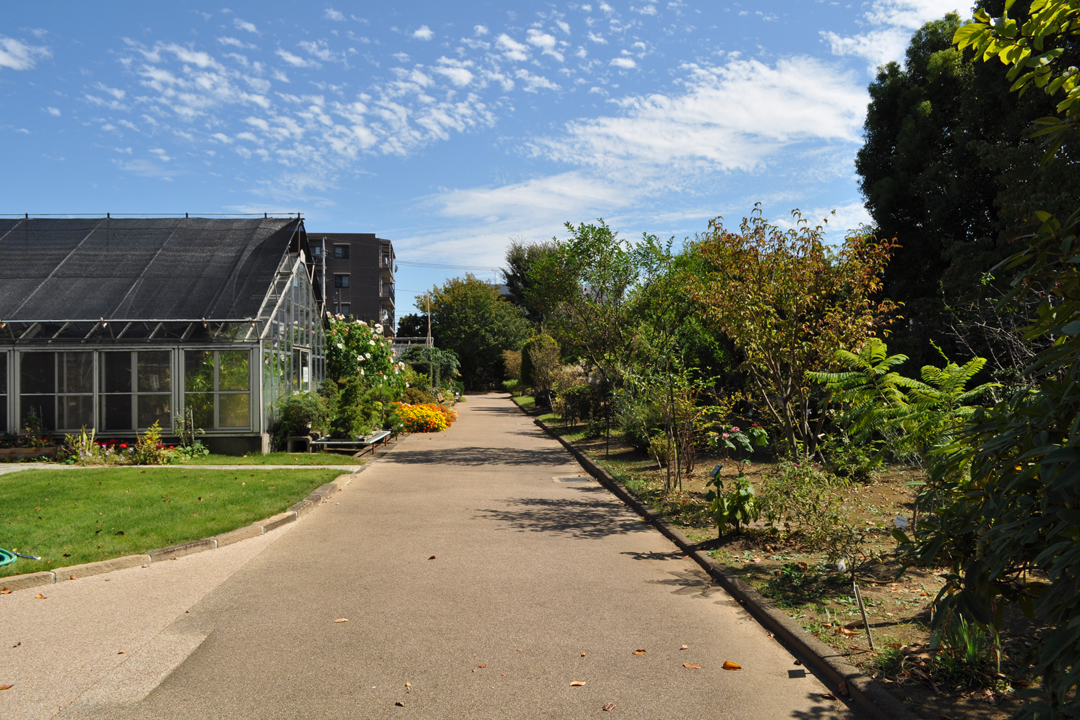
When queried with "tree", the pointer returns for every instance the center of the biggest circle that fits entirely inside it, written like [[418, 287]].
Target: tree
[[945, 170], [586, 279], [412, 325], [469, 317], [786, 300], [521, 256], [1011, 533]]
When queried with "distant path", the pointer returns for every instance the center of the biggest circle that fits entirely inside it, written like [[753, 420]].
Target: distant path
[[533, 585]]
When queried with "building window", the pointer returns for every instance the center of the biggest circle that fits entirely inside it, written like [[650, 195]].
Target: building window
[[341, 281], [217, 388], [341, 252], [3, 391], [57, 388], [136, 389], [344, 309]]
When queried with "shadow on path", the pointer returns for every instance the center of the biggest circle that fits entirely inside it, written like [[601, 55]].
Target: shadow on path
[[474, 456], [580, 518]]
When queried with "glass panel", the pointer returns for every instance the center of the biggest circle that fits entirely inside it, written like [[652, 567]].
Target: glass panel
[[78, 411], [116, 412], [234, 370], [341, 252], [198, 370], [116, 372], [38, 370], [43, 406], [201, 406], [78, 372], [3, 380], [154, 408], [155, 372], [3, 413], [233, 410]]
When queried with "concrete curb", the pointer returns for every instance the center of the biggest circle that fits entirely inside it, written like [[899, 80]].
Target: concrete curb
[[864, 692], [74, 572]]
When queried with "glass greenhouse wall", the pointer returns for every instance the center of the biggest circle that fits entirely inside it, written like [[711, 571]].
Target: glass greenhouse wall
[[120, 381]]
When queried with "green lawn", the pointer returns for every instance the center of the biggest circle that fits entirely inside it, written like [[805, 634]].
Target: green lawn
[[76, 516], [277, 458]]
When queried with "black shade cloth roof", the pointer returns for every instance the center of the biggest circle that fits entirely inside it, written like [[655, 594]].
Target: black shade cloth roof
[[139, 268]]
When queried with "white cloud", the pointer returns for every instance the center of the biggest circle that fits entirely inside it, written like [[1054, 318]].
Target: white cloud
[[332, 14], [599, 39], [645, 10], [456, 71], [296, 60], [54, 111], [245, 26], [732, 117], [17, 55], [624, 63], [534, 82], [547, 43], [320, 49], [512, 49], [563, 25], [892, 23], [480, 30], [424, 33], [234, 42]]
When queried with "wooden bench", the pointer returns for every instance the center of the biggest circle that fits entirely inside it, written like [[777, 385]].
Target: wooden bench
[[361, 443]]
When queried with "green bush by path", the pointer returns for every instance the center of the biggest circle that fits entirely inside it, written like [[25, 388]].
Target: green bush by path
[[70, 517]]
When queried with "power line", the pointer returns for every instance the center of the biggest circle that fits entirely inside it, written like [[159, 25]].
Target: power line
[[445, 266]]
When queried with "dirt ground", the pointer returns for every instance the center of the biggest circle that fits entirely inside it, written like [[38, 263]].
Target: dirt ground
[[898, 601]]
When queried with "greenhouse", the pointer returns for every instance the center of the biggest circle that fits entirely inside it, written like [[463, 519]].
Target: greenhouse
[[117, 323]]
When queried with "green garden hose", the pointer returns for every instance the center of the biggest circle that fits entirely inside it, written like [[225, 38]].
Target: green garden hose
[[7, 557]]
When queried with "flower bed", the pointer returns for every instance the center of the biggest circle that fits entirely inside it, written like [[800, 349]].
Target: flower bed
[[424, 418]]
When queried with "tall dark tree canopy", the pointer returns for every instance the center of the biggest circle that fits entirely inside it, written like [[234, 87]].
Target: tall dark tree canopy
[[521, 256], [946, 170], [412, 325]]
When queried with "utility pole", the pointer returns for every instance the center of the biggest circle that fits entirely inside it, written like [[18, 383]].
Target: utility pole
[[427, 300]]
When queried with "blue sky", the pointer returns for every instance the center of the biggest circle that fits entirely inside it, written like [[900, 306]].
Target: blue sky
[[448, 127]]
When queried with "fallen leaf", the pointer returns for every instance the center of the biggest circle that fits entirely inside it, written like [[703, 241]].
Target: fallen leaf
[[798, 662], [728, 665], [502, 674], [122, 652], [342, 620], [943, 716], [845, 631], [399, 704], [521, 649], [4, 591], [119, 532], [39, 596], [6, 687], [828, 696], [639, 652], [17, 644], [684, 647], [577, 683], [694, 666], [608, 706], [757, 559], [843, 687], [431, 558], [482, 666], [73, 577], [582, 654], [408, 684]]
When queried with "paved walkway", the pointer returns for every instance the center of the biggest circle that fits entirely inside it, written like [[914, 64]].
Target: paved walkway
[[474, 586]]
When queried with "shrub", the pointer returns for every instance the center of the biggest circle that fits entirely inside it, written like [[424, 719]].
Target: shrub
[[300, 411], [575, 403], [512, 364], [416, 396], [511, 386], [539, 357]]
